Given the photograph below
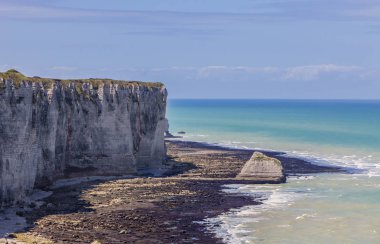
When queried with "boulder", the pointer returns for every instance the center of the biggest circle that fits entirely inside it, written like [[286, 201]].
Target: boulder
[[264, 169], [169, 135]]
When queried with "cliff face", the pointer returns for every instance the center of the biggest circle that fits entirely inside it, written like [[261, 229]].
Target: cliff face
[[55, 128]]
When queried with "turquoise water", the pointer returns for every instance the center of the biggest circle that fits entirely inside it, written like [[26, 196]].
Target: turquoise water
[[335, 132], [335, 208]]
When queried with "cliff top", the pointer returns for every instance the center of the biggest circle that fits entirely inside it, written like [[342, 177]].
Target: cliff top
[[18, 78]]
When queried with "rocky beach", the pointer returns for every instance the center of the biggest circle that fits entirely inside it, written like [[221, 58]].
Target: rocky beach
[[185, 121], [148, 209]]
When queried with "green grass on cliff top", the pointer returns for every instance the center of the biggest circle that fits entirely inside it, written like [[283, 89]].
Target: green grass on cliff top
[[18, 78]]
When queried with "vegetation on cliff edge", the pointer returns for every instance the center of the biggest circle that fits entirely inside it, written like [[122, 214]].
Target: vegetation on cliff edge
[[18, 78]]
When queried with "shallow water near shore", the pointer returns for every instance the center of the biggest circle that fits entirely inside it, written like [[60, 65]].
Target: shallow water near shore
[[323, 208], [344, 133], [328, 208]]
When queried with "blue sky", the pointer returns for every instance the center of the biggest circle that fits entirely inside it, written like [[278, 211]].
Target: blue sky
[[322, 49]]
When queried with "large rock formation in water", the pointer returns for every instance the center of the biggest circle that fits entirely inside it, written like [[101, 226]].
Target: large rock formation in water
[[263, 169], [50, 129]]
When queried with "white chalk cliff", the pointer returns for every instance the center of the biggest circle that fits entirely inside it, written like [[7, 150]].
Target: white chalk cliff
[[51, 129]]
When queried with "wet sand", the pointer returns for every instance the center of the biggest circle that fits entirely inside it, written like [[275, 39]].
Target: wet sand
[[147, 209]]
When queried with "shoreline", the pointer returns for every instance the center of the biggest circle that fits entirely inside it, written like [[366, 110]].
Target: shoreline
[[314, 159], [153, 209], [290, 162]]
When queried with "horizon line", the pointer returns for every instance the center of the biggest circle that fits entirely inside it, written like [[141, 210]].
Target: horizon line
[[310, 99]]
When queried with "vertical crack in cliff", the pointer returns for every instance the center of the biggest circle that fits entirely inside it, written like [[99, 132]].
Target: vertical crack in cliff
[[65, 128]]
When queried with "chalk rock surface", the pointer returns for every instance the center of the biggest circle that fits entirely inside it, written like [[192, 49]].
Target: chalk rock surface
[[51, 129], [263, 169]]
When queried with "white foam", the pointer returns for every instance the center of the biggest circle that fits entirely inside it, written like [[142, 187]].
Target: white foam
[[355, 163], [301, 177], [233, 227], [360, 164]]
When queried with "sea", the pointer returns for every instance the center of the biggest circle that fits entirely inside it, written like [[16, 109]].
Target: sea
[[317, 208]]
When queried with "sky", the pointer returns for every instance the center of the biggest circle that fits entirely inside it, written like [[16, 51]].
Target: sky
[[286, 49]]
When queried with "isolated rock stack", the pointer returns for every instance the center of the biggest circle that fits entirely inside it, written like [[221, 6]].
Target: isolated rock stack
[[264, 169]]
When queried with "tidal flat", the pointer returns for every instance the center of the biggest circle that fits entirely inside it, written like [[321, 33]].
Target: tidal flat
[[147, 209]]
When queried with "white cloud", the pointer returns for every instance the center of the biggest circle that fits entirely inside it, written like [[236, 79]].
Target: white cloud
[[370, 12], [215, 73], [312, 72], [227, 71], [222, 72], [17, 11], [259, 11], [307, 72]]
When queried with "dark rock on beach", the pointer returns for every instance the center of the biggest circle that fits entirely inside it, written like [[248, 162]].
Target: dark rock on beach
[[166, 209], [169, 135]]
